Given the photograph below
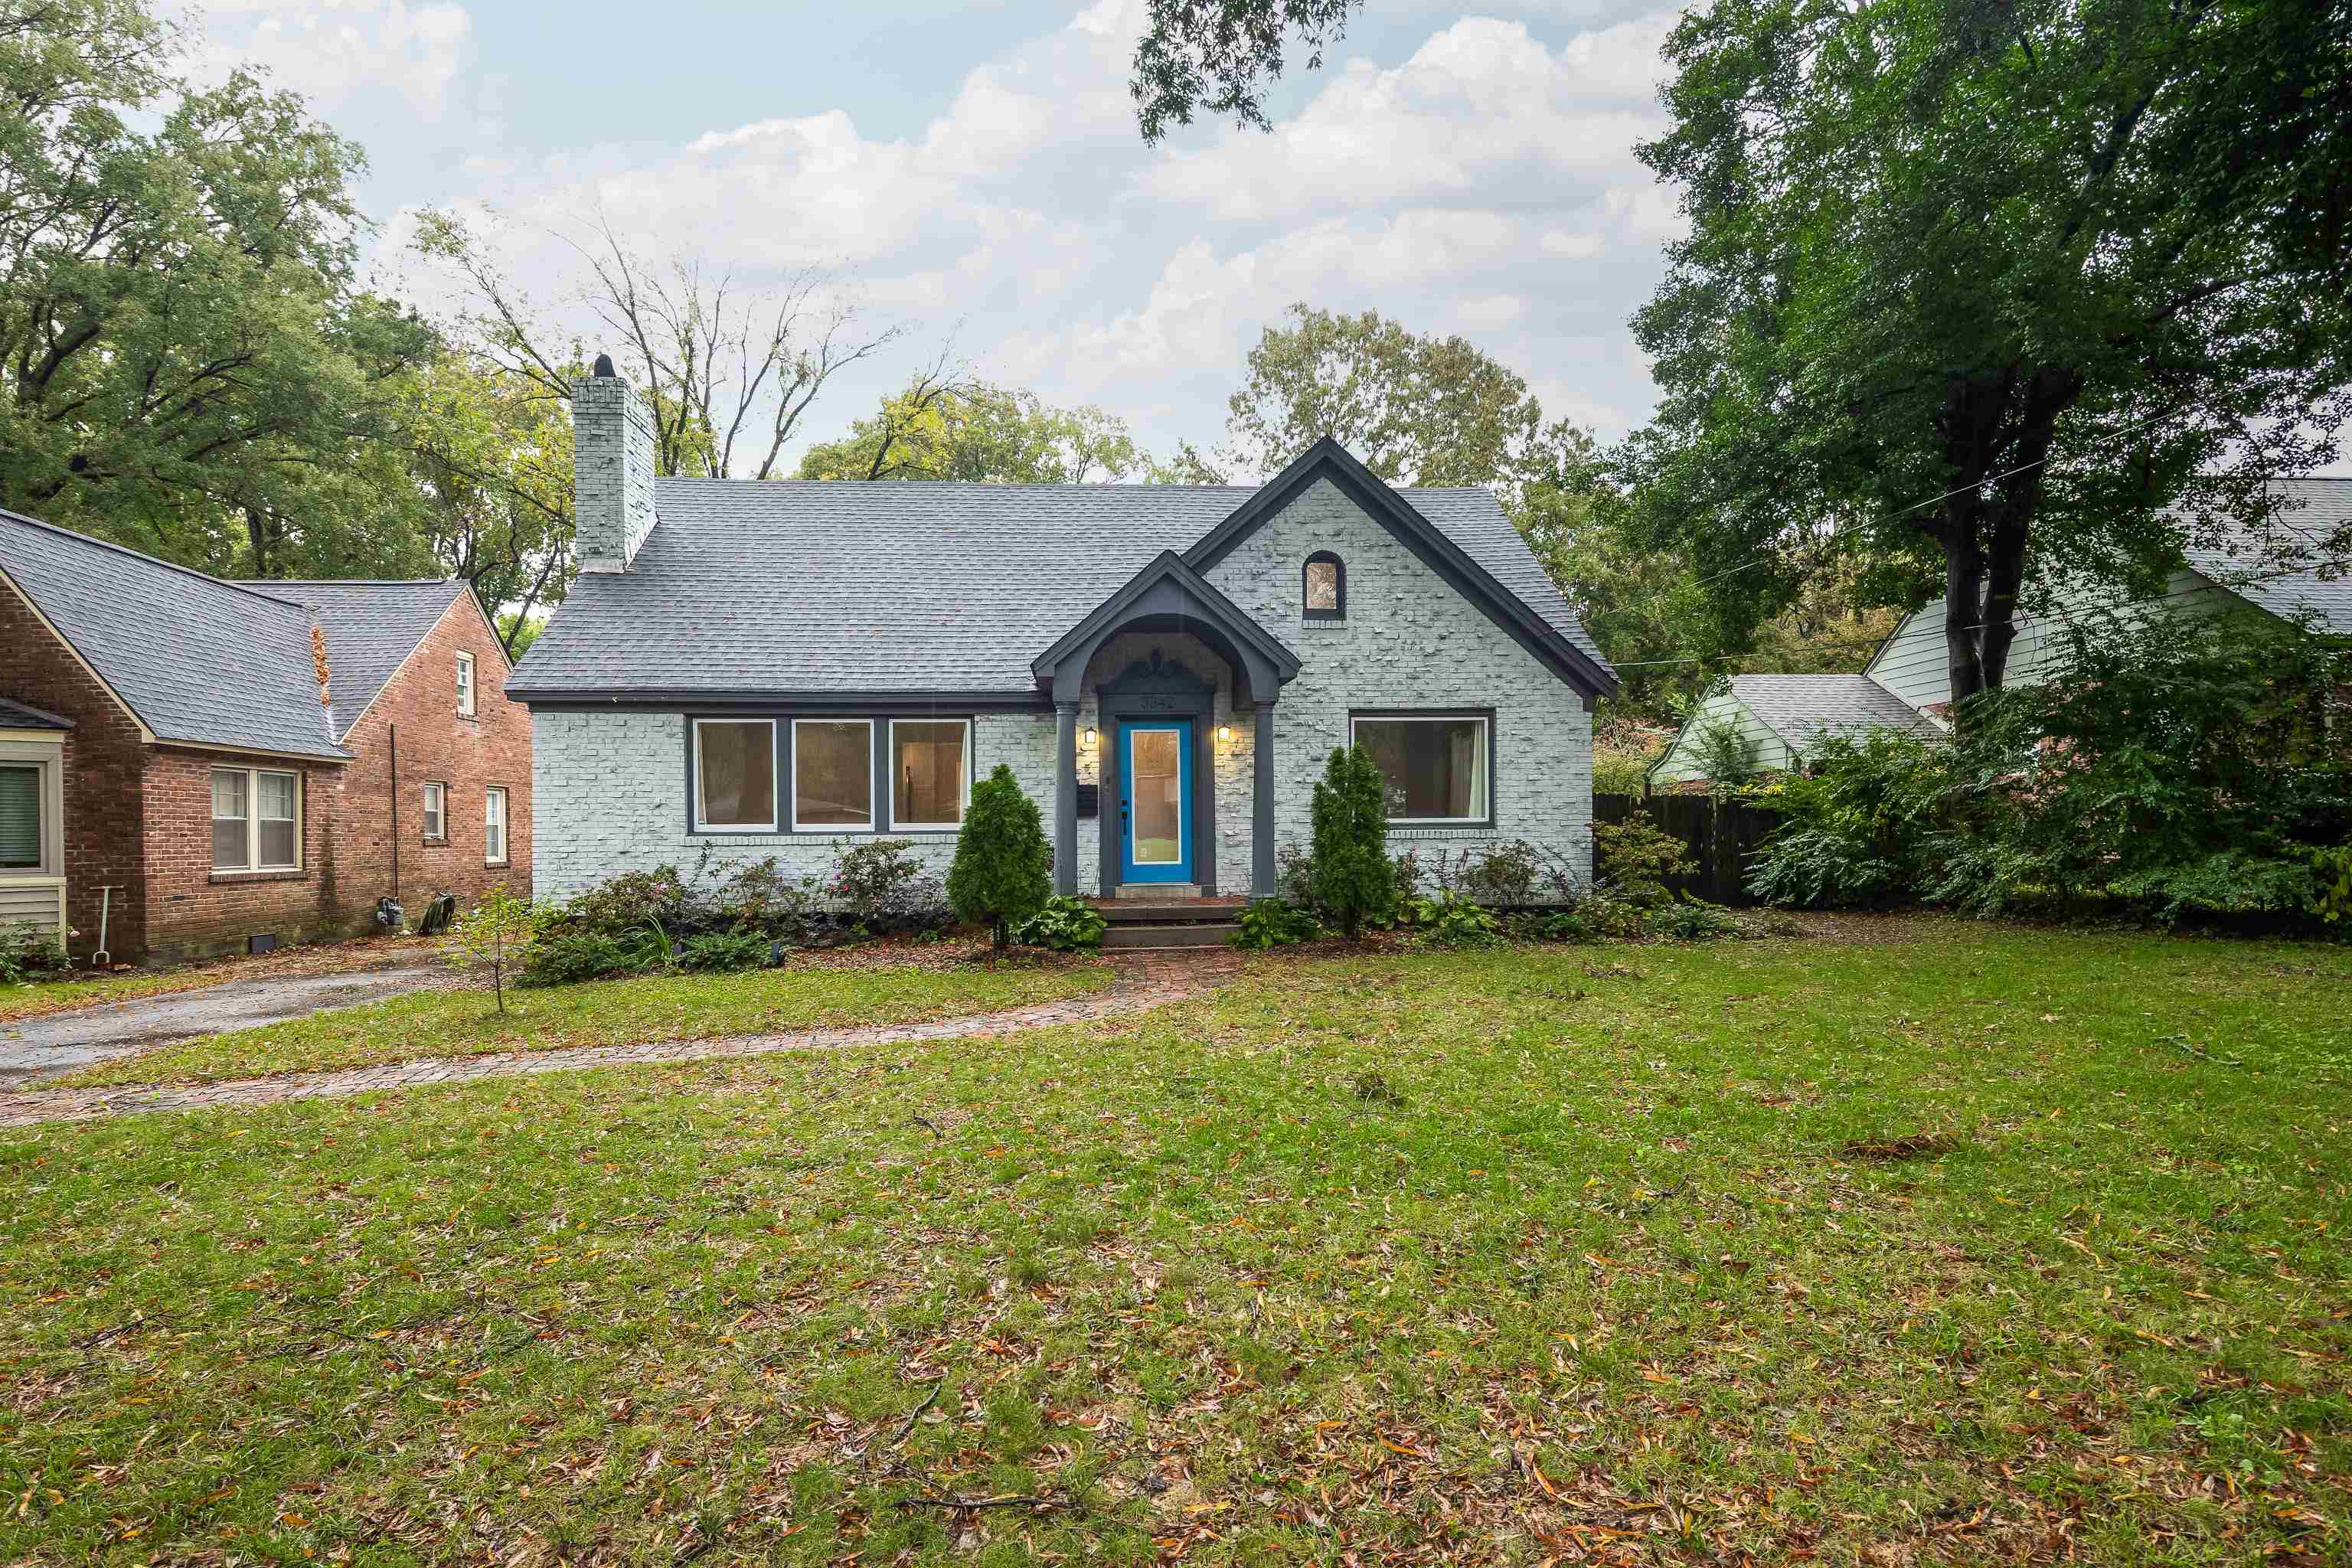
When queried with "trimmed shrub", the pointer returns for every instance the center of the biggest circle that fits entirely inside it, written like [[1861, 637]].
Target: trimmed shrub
[[1352, 877], [1065, 925], [1695, 920], [1637, 858], [1449, 920], [724, 953], [569, 956], [1273, 923], [1731, 759], [27, 953], [1003, 873], [879, 884]]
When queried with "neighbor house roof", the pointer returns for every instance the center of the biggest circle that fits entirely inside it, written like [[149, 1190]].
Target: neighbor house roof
[[756, 587], [1804, 710], [196, 659], [23, 716], [372, 629], [2297, 562]]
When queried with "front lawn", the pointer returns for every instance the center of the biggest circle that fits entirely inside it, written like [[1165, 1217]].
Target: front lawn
[[1974, 1243], [809, 993]]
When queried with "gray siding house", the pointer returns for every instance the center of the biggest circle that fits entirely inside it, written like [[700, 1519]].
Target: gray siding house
[[2296, 563], [767, 668]]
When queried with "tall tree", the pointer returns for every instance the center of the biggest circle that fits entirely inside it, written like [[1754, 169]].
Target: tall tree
[[492, 451], [1954, 271], [945, 426], [2001, 279], [1217, 54], [185, 365], [732, 368], [1418, 409]]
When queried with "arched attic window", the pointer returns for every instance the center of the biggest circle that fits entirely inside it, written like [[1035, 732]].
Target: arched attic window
[[1323, 588]]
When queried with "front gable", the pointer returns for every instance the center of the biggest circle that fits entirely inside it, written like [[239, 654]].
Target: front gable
[[1329, 462]]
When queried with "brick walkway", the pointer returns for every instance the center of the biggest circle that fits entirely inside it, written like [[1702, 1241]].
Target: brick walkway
[[1142, 981]]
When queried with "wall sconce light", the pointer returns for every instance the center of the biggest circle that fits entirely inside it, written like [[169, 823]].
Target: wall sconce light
[[1225, 735], [1090, 734]]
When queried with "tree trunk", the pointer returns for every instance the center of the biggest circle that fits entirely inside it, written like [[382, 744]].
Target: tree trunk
[[1963, 602]]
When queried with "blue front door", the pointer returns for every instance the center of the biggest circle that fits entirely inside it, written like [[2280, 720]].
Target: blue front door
[[1155, 800]]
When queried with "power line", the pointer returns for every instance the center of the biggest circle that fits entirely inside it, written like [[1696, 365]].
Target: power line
[[1932, 500]]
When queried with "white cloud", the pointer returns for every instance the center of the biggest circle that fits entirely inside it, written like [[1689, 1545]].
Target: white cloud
[[1482, 108], [1485, 184], [332, 51]]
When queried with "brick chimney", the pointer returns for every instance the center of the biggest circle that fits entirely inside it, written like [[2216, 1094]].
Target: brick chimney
[[612, 469]]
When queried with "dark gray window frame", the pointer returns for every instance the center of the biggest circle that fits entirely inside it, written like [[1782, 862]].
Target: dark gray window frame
[[1340, 569], [783, 718], [778, 751], [886, 758], [1494, 746]]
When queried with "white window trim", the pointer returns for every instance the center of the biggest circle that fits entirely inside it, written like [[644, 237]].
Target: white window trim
[[702, 823], [1485, 738], [436, 809], [253, 866], [467, 685], [506, 825], [955, 826], [836, 827]]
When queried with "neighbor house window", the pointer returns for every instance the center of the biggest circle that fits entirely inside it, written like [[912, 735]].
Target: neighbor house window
[[735, 773], [1324, 594], [832, 772], [466, 685], [1434, 766], [21, 832], [256, 820], [437, 812], [930, 772], [494, 826]]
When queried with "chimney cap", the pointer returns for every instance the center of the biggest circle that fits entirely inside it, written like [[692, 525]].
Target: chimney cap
[[603, 366]]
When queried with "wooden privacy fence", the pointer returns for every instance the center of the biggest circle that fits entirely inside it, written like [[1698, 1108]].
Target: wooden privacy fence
[[1720, 835]]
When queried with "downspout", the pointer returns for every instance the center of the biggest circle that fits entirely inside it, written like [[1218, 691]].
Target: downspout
[[393, 729]]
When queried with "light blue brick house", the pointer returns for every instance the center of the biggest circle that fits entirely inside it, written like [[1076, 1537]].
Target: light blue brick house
[[770, 667]]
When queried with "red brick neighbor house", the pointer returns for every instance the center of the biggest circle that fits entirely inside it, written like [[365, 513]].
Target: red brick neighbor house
[[197, 766]]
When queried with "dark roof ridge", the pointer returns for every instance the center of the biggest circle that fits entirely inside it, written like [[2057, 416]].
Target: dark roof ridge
[[365, 581]]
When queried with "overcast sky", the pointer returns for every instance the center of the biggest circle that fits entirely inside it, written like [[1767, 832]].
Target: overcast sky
[[976, 172]]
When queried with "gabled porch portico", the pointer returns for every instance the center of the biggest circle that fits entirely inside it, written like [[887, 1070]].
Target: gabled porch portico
[[1156, 723]]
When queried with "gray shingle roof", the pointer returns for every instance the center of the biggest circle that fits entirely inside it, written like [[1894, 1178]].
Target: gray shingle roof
[[199, 660], [370, 627], [1804, 709], [2298, 562], [814, 586]]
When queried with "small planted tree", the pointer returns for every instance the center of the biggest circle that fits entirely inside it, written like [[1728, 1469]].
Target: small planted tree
[[494, 934], [1003, 873], [1352, 879], [1731, 759]]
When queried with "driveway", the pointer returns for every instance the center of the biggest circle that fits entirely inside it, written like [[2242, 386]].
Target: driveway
[[53, 1043]]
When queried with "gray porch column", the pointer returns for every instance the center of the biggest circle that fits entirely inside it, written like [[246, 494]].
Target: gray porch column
[[1261, 806], [1065, 798]]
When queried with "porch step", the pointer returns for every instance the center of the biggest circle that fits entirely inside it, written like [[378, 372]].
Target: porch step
[[1132, 935], [1156, 892], [1203, 913]]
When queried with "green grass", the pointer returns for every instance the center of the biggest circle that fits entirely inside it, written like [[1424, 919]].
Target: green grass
[[616, 1012], [1996, 1245]]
